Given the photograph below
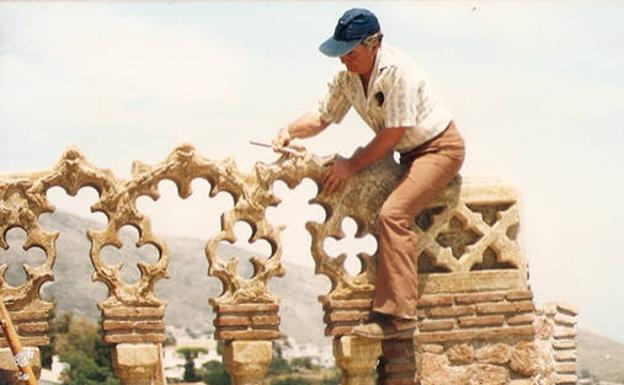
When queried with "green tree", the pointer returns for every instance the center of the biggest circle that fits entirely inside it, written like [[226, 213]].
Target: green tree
[[190, 354], [214, 373], [79, 342], [291, 381]]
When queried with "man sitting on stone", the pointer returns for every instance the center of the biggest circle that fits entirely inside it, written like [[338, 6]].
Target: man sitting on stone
[[395, 100]]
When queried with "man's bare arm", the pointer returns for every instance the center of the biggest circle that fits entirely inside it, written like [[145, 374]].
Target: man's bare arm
[[307, 125], [378, 147]]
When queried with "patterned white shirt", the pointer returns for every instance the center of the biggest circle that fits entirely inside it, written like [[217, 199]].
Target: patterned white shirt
[[398, 95]]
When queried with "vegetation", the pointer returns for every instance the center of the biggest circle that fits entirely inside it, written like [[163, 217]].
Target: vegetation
[[190, 354], [78, 341]]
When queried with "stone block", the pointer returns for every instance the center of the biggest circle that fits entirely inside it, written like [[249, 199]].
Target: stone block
[[7, 360], [136, 364], [484, 374], [493, 354], [460, 354], [247, 361], [524, 359], [357, 359]]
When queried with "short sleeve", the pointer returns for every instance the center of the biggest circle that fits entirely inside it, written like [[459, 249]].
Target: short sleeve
[[334, 105]]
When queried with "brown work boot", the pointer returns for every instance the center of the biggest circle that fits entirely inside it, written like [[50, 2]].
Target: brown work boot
[[386, 328]]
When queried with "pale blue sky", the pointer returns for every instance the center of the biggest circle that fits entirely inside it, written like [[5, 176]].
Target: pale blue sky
[[536, 88]]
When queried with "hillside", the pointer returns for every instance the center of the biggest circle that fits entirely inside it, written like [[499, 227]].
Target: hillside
[[601, 356], [189, 287], [187, 290]]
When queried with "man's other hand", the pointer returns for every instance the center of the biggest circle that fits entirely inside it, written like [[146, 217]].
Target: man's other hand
[[339, 170]]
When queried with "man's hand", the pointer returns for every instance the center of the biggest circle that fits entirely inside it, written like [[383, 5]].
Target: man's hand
[[281, 140], [339, 171]]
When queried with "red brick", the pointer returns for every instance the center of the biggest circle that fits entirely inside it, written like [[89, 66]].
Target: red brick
[[32, 328], [348, 304], [338, 316], [519, 295], [134, 338], [568, 309], [154, 326], [247, 334], [464, 299], [393, 349], [435, 300], [563, 319], [247, 308], [262, 320], [28, 341], [479, 334], [565, 355], [514, 307], [564, 344], [338, 330], [565, 379], [492, 320], [402, 380], [520, 319], [29, 315], [114, 325], [564, 332], [426, 326], [565, 368], [134, 312], [232, 321], [454, 311]]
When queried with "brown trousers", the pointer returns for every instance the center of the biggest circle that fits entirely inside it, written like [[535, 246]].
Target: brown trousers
[[429, 168]]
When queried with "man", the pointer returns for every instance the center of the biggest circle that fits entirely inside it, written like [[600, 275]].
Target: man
[[394, 98]]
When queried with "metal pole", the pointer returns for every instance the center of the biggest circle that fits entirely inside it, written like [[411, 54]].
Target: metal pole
[[22, 360]]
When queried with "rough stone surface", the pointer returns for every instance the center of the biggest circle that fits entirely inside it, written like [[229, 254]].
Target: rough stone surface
[[247, 361], [524, 359], [460, 354], [484, 374], [494, 354], [136, 364]]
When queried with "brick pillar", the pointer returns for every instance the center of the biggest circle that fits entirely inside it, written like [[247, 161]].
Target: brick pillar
[[400, 364], [357, 359], [8, 369], [557, 336], [247, 362], [137, 364]]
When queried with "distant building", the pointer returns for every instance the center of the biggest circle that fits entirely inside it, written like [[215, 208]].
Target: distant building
[[53, 376]]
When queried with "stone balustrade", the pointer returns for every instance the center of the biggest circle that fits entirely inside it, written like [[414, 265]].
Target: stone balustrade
[[477, 320]]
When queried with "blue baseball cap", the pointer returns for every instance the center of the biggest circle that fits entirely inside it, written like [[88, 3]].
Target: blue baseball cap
[[352, 28]]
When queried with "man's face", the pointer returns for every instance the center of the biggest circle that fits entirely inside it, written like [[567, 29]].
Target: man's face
[[360, 60]]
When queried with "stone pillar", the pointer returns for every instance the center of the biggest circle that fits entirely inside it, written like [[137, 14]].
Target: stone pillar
[[357, 359], [137, 364], [8, 369], [247, 362]]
